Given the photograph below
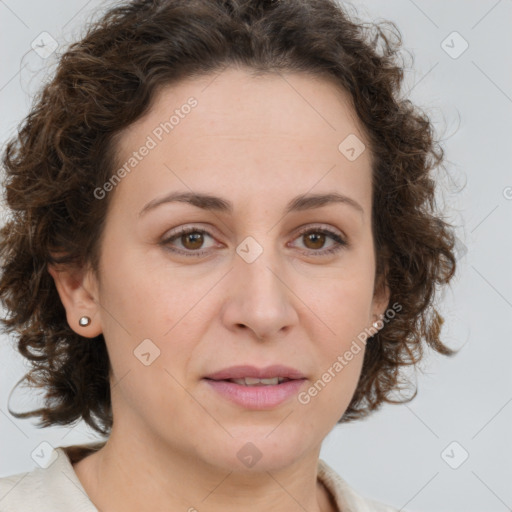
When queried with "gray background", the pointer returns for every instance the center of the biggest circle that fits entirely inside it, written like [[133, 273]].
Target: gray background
[[402, 455]]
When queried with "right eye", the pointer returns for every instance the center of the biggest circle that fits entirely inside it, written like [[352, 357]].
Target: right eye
[[191, 238]]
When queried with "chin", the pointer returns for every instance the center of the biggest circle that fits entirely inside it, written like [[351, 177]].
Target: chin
[[259, 449]]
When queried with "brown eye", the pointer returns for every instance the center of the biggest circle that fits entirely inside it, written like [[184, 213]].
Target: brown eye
[[192, 240], [314, 240]]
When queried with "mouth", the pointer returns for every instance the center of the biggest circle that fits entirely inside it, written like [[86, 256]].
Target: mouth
[[250, 375], [253, 388], [251, 381]]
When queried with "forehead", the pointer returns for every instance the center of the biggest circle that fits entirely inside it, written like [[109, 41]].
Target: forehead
[[239, 89], [296, 105], [275, 130]]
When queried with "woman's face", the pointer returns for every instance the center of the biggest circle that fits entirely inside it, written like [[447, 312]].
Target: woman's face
[[246, 286]]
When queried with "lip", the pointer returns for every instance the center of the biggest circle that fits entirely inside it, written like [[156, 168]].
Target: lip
[[239, 372], [256, 397]]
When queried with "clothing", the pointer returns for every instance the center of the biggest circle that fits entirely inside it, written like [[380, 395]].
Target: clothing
[[58, 489]]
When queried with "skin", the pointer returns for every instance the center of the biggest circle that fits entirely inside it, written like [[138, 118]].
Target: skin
[[257, 142]]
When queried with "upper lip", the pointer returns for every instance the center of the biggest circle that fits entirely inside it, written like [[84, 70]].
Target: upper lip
[[239, 372]]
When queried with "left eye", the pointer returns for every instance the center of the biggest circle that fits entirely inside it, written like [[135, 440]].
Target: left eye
[[319, 235], [192, 239]]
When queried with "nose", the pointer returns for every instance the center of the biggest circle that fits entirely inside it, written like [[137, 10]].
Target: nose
[[260, 299]]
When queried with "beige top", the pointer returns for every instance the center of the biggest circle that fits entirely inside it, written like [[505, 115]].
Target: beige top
[[58, 489]]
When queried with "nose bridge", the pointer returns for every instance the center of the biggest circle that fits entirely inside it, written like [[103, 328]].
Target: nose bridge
[[258, 276], [260, 300], [257, 269]]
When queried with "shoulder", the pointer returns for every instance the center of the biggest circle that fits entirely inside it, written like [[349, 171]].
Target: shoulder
[[345, 497], [55, 488]]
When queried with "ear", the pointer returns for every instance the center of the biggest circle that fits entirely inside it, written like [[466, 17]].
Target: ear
[[381, 297], [78, 291]]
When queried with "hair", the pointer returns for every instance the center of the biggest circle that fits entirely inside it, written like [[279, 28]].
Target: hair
[[66, 148]]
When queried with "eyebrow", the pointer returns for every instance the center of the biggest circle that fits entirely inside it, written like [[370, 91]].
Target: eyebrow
[[218, 204]]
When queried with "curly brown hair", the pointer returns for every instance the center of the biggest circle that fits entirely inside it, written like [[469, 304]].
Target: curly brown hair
[[65, 149]]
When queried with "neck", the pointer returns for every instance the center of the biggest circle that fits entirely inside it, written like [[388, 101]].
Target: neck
[[132, 473]]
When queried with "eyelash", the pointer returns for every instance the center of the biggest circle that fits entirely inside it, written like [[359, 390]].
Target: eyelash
[[340, 243]]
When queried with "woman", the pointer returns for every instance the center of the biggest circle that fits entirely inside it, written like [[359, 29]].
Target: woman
[[223, 242]]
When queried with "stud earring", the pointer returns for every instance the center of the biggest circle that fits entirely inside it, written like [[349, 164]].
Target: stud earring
[[84, 321]]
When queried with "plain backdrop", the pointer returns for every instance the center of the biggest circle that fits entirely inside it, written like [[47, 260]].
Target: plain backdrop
[[449, 449]]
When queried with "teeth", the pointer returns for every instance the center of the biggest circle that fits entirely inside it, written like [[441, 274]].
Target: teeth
[[250, 381]]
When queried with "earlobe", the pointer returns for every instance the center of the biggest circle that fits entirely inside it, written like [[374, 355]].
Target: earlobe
[[78, 293]]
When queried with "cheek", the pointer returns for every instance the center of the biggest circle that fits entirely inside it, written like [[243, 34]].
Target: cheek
[[341, 299], [141, 294], [343, 307], [327, 397], [151, 314]]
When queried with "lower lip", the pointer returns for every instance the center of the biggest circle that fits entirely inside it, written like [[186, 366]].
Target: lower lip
[[257, 397]]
